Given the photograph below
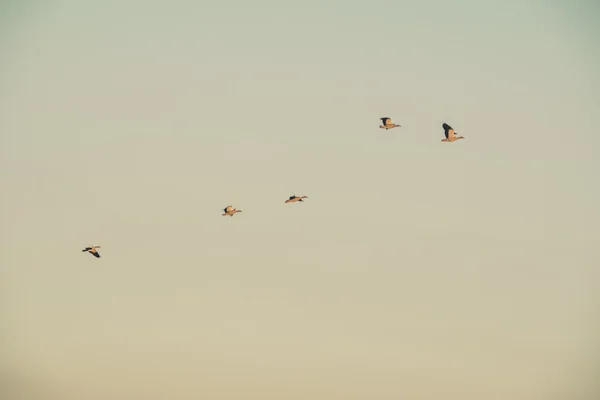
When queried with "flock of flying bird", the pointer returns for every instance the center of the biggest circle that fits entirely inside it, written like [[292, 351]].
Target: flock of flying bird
[[450, 136]]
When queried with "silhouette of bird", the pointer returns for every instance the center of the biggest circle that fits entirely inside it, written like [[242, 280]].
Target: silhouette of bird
[[230, 211], [387, 123], [295, 198], [92, 250], [450, 134]]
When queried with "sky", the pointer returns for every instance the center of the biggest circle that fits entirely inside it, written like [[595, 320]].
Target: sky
[[415, 269]]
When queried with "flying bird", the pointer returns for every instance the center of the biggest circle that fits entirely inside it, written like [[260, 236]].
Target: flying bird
[[295, 198], [92, 250], [387, 123], [450, 134], [230, 211]]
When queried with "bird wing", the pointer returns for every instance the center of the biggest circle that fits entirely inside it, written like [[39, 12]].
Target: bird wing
[[385, 120], [87, 249], [448, 131], [96, 254], [292, 197]]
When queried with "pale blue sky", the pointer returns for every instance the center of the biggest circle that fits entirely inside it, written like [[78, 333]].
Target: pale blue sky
[[416, 269]]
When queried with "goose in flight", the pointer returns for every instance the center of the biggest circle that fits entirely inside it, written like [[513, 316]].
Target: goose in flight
[[92, 250], [387, 123], [230, 211], [295, 198], [450, 134]]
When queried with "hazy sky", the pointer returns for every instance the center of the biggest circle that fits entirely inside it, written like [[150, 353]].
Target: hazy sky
[[416, 269]]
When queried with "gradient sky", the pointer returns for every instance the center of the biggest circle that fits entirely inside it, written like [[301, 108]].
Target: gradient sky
[[415, 270]]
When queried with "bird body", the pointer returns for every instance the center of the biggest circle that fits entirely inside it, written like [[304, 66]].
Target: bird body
[[92, 250], [229, 210], [295, 198], [450, 134], [387, 123]]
